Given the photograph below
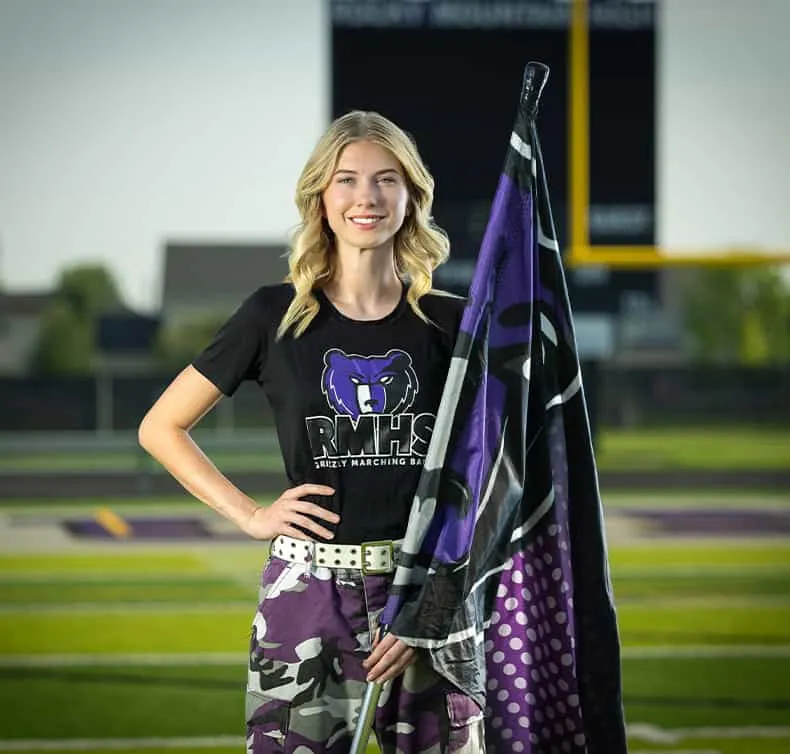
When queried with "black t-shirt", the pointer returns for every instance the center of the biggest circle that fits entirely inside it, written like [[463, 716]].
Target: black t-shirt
[[354, 402]]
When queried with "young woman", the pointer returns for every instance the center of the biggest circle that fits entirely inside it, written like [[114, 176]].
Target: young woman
[[352, 353]]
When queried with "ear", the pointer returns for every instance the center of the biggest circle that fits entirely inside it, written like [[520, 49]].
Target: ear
[[333, 358], [399, 360]]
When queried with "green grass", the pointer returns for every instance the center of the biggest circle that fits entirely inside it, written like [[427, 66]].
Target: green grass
[[755, 745], [618, 449], [701, 555], [203, 701], [56, 566], [202, 750], [124, 702], [701, 692], [109, 591], [632, 585], [708, 586], [707, 745], [129, 461], [672, 499], [647, 623], [211, 629], [644, 623], [694, 448]]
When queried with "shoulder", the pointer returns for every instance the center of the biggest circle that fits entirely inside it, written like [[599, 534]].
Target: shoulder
[[268, 302], [445, 298], [444, 309]]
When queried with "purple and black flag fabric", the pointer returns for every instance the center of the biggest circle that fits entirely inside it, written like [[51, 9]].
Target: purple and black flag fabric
[[504, 570]]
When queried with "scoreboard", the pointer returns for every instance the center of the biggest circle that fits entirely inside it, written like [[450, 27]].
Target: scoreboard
[[449, 72]]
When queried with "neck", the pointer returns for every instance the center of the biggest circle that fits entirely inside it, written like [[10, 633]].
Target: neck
[[365, 284]]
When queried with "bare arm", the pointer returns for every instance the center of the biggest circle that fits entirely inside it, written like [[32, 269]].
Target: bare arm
[[164, 433]]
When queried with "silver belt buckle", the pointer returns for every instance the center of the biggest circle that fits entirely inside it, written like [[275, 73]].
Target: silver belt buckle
[[370, 570]]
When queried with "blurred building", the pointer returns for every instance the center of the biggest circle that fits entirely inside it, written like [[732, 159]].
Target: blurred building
[[20, 322], [203, 278]]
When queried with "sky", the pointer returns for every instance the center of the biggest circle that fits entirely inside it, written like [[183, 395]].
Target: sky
[[130, 122]]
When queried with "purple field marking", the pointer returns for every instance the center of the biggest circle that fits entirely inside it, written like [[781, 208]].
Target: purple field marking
[[731, 522], [180, 528]]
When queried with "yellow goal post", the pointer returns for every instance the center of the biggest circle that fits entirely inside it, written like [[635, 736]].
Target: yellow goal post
[[657, 257]]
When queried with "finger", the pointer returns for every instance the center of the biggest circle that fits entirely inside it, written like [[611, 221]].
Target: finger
[[380, 648], [392, 664], [303, 506], [290, 531], [307, 523], [398, 668], [385, 654], [309, 489]]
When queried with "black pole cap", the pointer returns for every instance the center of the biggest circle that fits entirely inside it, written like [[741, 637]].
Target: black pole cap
[[535, 76]]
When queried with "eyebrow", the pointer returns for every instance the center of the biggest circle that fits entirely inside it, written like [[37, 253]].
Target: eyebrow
[[378, 172]]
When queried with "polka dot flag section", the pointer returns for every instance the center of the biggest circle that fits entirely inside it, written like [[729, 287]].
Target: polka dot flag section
[[541, 697]]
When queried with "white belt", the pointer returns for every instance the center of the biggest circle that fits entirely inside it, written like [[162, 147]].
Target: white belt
[[369, 557]]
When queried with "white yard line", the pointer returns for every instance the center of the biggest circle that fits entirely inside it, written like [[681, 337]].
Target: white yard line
[[640, 731], [657, 735], [121, 744]]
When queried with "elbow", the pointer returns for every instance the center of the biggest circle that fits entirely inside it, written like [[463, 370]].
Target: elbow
[[144, 433], [147, 433], [153, 430]]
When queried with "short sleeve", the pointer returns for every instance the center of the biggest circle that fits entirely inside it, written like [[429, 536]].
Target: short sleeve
[[446, 311], [237, 351]]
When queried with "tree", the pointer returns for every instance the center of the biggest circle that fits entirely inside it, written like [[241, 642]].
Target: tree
[[66, 341], [178, 344], [88, 290], [736, 315]]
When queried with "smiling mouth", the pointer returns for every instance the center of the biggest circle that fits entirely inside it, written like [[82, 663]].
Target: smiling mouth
[[370, 221]]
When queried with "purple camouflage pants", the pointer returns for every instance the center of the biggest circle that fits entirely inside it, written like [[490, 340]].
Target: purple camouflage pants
[[312, 630]]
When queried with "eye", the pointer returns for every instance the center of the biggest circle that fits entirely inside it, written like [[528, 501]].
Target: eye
[[387, 179], [345, 179], [355, 380], [386, 380]]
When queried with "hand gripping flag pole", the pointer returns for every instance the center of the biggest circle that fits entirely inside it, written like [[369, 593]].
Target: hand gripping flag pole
[[503, 575], [367, 712]]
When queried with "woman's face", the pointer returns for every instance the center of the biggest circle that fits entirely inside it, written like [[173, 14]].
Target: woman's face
[[367, 197]]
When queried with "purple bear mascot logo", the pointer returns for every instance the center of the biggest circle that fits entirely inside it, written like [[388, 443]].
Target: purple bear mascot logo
[[356, 385]]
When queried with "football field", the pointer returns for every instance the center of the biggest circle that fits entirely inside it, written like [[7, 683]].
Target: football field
[[125, 626]]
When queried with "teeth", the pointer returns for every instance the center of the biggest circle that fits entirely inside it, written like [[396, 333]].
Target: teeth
[[365, 220]]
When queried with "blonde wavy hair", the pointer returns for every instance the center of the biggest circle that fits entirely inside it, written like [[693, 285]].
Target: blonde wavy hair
[[420, 246]]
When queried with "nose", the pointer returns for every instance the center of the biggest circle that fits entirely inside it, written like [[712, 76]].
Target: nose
[[369, 194]]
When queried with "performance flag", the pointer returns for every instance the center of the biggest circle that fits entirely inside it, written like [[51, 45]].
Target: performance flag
[[504, 571]]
